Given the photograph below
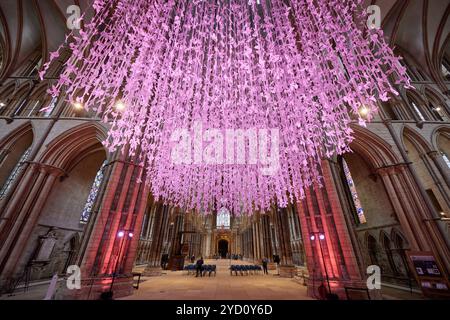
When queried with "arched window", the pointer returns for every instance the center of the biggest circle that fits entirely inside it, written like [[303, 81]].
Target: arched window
[[2, 54], [223, 218], [93, 194], [445, 68], [14, 173], [417, 110], [436, 106], [446, 159], [354, 193]]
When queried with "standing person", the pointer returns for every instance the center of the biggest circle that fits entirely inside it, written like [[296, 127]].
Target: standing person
[[264, 263], [276, 259], [199, 267], [164, 261]]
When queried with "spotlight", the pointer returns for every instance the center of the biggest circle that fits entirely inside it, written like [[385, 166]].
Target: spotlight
[[442, 213], [121, 234], [364, 111], [120, 106], [312, 237], [321, 236], [131, 234], [2, 104], [78, 105], [437, 109]]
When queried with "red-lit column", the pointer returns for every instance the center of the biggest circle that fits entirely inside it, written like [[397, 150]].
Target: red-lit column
[[121, 208], [336, 254]]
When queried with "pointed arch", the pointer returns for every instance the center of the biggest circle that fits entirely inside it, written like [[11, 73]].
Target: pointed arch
[[436, 105], [71, 147], [416, 139], [387, 246], [15, 150], [399, 240], [441, 130], [377, 152], [16, 134], [372, 248]]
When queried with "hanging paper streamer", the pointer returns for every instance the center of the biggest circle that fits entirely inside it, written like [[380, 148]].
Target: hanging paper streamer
[[230, 101]]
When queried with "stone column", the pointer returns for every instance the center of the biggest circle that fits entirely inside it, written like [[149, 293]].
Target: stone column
[[17, 230], [440, 165], [122, 209], [436, 176], [321, 213], [286, 267], [432, 239]]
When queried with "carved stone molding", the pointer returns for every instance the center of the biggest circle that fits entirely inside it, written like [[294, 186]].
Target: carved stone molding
[[49, 169]]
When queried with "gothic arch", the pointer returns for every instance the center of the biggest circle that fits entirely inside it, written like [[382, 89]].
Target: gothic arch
[[8, 90], [79, 154], [437, 132], [419, 153], [377, 152], [396, 235], [430, 92], [436, 104], [372, 248], [37, 100], [387, 248], [67, 150], [419, 104], [400, 246], [16, 134], [13, 151], [18, 97], [416, 139]]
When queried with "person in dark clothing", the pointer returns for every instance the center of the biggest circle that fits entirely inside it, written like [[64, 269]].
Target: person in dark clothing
[[264, 263], [198, 267], [164, 261]]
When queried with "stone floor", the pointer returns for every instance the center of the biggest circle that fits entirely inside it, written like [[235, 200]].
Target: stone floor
[[177, 285]]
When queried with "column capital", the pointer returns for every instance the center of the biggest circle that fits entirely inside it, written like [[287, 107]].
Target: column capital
[[392, 169], [49, 169], [434, 154], [387, 121]]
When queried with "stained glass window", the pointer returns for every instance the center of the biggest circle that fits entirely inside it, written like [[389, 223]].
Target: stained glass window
[[223, 218], [50, 107], [417, 110], [356, 201], [93, 194], [446, 159], [14, 173]]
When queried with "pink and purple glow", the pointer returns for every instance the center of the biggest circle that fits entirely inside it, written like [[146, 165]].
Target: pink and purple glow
[[305, 69]]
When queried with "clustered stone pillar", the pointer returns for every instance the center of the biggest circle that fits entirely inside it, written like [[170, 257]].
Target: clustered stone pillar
[[104, 254], [20, 218], [266, 239], [335, 255], [421, 230], [286, 267]]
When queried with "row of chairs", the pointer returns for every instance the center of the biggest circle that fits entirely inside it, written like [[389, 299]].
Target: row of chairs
[[206, 269], [245, 269]]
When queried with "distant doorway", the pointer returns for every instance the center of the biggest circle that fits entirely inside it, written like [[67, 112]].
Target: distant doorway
[[223, 248]]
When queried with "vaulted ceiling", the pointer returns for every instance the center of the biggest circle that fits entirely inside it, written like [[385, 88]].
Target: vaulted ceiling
[[420, 28], [28, 26]]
